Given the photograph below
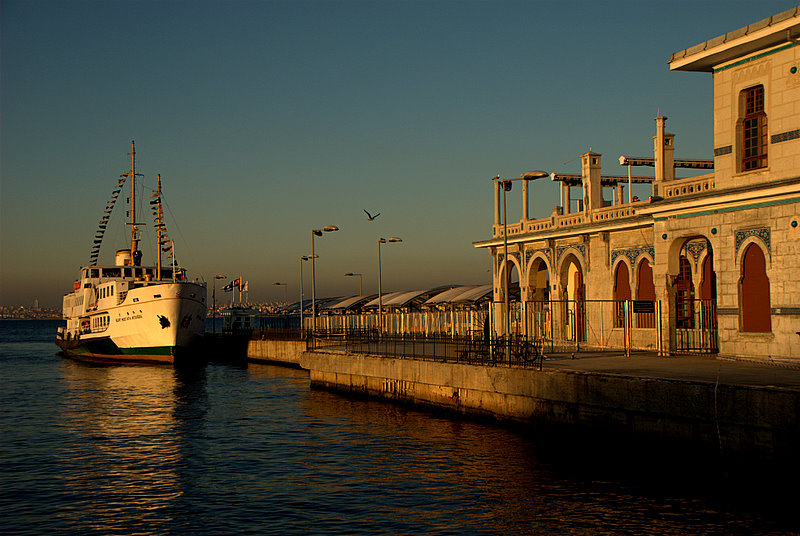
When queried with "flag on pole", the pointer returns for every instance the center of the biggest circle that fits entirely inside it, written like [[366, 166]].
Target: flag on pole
[[237, 282], [228, 287], [243, 288]]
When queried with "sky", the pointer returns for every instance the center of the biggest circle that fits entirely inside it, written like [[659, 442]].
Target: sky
[[267, 119]]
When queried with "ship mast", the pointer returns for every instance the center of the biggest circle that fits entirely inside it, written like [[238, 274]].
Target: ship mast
[[159, 227], [132, 174]]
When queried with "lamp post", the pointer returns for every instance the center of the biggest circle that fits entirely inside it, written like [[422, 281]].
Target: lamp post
[[316, 232], [506, 187], [285, 290], [214, 297], [360, 281], [303, 258], [380, 290]]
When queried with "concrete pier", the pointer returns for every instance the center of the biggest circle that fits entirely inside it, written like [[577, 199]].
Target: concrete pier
[[742, 410], [284, 352]]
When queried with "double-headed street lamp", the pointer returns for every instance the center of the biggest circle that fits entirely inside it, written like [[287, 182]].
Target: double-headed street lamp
[[214, 297], [360, 281], [316, 232], [303, 258], [285, 291], [505, 184], [380, 291]]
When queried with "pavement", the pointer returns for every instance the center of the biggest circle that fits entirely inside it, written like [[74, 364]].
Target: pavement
[[713, 369], [709, 368]]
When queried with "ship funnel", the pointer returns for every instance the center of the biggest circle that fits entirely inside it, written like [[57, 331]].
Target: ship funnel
[[123, 258]]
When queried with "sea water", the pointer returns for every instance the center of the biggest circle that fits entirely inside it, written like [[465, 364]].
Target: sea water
[[253, 449]]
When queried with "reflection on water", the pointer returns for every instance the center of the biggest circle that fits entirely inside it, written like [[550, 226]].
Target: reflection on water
[[252, 449], [124, 444]]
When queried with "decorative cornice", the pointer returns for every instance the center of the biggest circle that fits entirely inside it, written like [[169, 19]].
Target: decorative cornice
[[561, 249], [785, 136], [633, 254], [696, 249], [727, 149], [544, 251], [763, 233]]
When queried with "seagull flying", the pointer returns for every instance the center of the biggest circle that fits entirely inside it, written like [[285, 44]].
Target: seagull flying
[[371, 217]]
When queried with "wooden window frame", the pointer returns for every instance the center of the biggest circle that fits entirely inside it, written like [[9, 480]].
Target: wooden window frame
[[754, 129]]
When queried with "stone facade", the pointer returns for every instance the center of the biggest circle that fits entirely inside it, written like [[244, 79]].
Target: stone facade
[[709, 263]]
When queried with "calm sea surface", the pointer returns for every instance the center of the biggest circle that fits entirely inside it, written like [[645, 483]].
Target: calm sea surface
[[88, 449]]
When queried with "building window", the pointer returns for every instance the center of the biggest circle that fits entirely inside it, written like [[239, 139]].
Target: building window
[[754, 129], [754, 302], [622, 293]]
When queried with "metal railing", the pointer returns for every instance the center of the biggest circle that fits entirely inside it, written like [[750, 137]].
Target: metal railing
[[476, 350]]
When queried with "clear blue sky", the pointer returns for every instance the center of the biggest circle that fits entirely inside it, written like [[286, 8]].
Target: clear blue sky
[[267, 119]]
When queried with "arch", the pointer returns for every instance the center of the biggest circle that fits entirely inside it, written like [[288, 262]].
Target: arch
[[759, 241], [708, 292], [622, 292], [538, 306], [510, 323], [645, 291], [573, 297], [684, 296], [754, 295], [538, 283]]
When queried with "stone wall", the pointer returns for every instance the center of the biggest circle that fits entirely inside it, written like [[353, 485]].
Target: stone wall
[[743, 421], [280, 351]]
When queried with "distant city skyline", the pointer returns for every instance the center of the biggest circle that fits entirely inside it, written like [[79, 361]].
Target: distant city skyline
[[269, 119]]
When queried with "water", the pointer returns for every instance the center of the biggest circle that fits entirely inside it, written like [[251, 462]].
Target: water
[[253, 450]]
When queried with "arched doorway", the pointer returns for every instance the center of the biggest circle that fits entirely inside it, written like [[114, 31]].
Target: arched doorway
[[695, 306], [573, 315], [754, 298], [511, 317], [622, 293], [538, 308], [645, 291]]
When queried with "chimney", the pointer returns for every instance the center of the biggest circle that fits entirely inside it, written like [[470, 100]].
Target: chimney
[[592, 188], [664, 151]]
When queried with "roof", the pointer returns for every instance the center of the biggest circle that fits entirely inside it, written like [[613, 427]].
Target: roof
[[350, 302], [473, 295], [384, 298], [782, 28], [448, 295]]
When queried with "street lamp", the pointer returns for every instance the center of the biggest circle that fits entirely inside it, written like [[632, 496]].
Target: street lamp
[[303, 258], [316, 232], [380, 291], [360, 281], [505, 184], [214, 297], [285, 291]]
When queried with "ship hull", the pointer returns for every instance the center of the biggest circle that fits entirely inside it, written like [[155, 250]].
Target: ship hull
[[158, 323]]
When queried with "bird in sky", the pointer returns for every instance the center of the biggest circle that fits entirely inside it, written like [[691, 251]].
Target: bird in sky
[[370, 216]]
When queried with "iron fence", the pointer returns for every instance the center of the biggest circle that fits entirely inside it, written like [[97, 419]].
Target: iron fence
[[477, 350]]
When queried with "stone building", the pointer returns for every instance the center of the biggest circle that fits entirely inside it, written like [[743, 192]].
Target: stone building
[[709, 263]]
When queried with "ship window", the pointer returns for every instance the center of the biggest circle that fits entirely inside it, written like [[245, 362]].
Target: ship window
[[94, 272], [111, 272], [127, 272], [156, 295]]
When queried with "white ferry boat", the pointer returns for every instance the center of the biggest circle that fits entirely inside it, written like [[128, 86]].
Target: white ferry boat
[[128, 312]]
